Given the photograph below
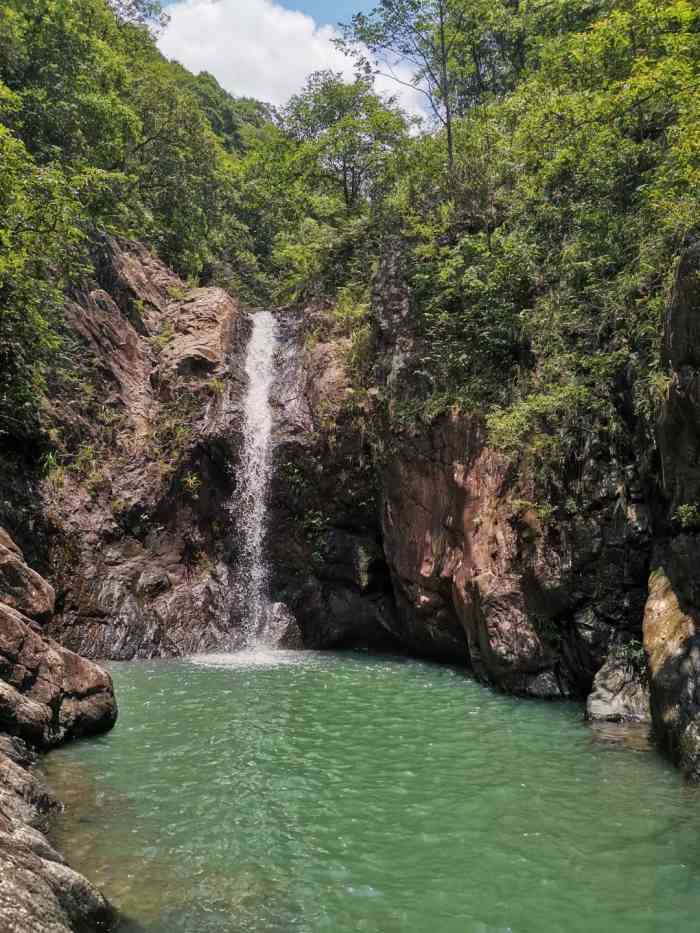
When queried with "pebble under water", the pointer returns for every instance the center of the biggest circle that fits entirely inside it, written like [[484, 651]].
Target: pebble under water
[[302, 792]]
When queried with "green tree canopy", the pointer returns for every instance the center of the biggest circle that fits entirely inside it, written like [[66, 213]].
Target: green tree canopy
[[346, 131]]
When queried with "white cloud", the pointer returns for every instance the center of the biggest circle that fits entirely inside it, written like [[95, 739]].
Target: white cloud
[[256, 48]]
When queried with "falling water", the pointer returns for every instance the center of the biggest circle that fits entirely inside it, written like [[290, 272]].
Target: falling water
[[250, 503]]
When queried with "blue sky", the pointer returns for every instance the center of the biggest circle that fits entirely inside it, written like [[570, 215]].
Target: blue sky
[[266, 48], [329, 11], [323, 11]]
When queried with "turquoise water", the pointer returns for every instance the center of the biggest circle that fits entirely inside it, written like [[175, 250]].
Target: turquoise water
[[337, 793]]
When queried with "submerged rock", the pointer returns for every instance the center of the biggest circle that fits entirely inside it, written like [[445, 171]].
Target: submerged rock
[[39, 892]]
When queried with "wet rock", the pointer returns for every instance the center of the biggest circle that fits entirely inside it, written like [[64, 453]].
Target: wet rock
[[620, 692], [354, 559], [324, 542], [38, 891]]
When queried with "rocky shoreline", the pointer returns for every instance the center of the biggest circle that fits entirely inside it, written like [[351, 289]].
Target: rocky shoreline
[[48, 695]]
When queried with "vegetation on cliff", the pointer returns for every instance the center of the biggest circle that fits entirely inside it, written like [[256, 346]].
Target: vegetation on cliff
[[541, 214]]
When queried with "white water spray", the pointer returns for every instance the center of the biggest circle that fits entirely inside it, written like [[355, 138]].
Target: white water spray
[[250, 501]]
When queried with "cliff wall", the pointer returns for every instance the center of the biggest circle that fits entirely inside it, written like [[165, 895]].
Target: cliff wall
[[48, 695]]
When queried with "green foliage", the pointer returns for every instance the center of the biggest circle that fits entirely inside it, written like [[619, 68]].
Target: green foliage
[[346, 134], [633, 656], [540, 264], [98, 131], [160, 341], [544, 512], [237, 122], [688, 517], [39, 248], [53, 471], [351, 309], [191, 484], [539, 257], [216, 387]]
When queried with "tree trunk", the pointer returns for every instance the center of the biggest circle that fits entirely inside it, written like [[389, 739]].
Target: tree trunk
[[445, 89]]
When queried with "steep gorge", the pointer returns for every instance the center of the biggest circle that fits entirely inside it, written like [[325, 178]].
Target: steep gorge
[[422, 540], [431, 543]]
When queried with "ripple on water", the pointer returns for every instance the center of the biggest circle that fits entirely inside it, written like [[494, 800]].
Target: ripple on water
[[270, 792], [251, 658]]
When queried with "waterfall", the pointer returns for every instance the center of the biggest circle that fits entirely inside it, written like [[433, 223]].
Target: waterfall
[[250, 499]]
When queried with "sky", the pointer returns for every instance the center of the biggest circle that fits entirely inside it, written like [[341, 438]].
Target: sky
[[330, 11], [266, 48]]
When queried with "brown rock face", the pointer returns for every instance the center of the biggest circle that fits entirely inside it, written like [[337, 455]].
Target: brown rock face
[[533, 599], [533, 606], [20, 587], [47, 695], [324, 542], [140, 533]]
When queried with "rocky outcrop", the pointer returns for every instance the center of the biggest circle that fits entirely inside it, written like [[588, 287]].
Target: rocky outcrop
[[671, 634], [532, 596], [620, 691], [328, 566], [47, 695], [146, 428], [672, 641], [21, 587], [532, 600], [462, 563]]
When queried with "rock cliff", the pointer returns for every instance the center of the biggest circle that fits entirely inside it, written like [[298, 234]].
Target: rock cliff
[[47, 695], [424, 539], [144, 419]]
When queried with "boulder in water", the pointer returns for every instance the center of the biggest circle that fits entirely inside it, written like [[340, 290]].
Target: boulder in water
[[620, 692]]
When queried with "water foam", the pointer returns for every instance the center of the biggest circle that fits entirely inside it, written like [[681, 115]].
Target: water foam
[[249, 504]]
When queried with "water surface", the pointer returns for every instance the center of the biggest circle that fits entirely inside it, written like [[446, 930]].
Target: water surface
[[287, 792]]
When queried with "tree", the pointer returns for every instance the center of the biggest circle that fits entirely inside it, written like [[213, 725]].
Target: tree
[[235, 120], [346, 131], [39, 243], [413, 32], [148, 13]]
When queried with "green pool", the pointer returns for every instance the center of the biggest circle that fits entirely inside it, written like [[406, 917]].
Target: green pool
[[303, 792]]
